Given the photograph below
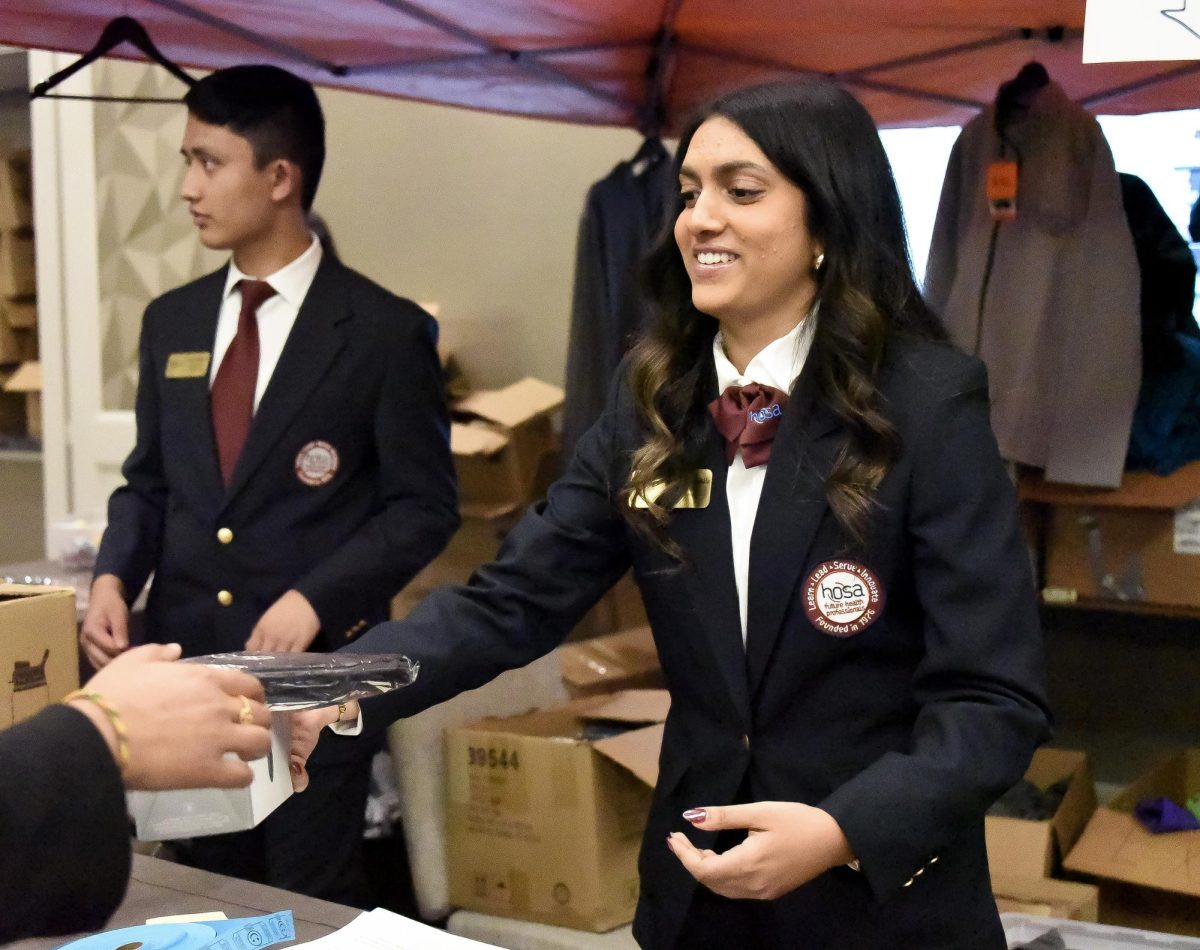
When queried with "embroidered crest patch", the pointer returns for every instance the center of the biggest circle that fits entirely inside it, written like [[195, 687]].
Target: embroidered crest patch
[[842, 598], [317, 463]]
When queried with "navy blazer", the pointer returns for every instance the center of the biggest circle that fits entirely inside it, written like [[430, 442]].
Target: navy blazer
[[360, 373], [904, 732]]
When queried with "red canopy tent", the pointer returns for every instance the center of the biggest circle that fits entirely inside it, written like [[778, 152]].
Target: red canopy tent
[[640, 63]]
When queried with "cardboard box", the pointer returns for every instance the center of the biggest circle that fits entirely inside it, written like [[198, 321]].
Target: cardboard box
[[545, 823], [12, 408], [28, 380], [1114, 844], [20, 314], [39, 654], [498, 439], [1148, 908], [474, 543], [621, 608], [16, 190], [1019, 848], [1139, 543], [17, 275], [616, 661], [17, 344], [455, 379], [192, 813], [1046, 897]]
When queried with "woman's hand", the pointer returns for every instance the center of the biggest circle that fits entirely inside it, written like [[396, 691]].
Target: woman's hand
[[788, 844], [181, 719]]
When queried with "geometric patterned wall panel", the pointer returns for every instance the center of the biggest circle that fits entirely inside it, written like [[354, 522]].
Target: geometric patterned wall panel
[[147, 243]]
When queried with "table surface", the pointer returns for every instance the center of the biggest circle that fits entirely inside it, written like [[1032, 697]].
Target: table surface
[[159, 888]]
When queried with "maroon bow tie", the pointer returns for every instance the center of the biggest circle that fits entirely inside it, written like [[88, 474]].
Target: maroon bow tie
[[748, 417]]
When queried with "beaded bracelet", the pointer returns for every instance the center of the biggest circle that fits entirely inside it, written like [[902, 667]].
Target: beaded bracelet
[[114, 717]]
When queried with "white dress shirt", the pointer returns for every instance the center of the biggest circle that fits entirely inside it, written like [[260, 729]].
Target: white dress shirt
[[275, 317], [777, 365]]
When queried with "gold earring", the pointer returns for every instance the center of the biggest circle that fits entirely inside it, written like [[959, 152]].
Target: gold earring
[[818, 261]]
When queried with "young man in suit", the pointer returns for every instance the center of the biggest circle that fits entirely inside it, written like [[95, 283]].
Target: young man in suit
[[292, 468]]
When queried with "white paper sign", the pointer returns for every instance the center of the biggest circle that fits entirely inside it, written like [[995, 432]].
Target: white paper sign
[[382, 930], [1118, 31], [1187, 529]]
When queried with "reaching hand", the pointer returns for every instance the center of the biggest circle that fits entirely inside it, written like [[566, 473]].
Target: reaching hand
[[788, 844], [289, 626], [306, 730], [105, 630], [181, 719]]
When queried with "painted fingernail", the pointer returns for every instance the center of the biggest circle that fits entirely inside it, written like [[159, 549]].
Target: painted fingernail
[[669, 845], [695, 815]]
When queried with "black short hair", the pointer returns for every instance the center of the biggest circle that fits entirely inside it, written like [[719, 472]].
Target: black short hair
[[275, 111]]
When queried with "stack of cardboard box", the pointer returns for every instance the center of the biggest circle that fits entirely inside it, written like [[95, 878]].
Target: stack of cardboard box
[[505, 451], [545, 810], [499, 439], [39, 659], [20, 373], [1094, 862], [1026, 855], [1148, 881]]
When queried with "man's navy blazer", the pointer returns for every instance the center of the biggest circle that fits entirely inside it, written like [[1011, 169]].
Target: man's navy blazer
[[358, 375], [905, 732]]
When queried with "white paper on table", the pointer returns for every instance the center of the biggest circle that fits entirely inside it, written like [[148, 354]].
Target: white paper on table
[[380, 929]]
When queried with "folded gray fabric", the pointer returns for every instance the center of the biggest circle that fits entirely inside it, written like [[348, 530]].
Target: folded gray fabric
[[1050, 940]]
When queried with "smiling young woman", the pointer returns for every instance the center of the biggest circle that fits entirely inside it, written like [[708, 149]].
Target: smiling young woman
[[772, 180], [802, 476]]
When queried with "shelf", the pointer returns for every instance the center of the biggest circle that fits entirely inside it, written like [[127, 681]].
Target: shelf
[[1098, 604], [20, 455]]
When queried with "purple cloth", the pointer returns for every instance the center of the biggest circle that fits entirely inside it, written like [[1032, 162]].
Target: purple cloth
[[1160, 815]]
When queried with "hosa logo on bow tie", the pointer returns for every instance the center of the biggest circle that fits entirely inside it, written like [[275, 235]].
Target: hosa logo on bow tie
[[762, 415]]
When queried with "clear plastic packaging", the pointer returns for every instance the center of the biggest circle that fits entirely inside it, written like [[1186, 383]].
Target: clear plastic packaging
[[295, 681]]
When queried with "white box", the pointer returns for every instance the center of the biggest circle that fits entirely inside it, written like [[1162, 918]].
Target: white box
[[192, 813]]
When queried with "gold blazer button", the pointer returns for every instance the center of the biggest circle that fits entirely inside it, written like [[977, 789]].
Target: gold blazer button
[[224, 535], [224, 598]]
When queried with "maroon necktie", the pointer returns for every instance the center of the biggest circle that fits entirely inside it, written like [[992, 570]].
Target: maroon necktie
[[233, 389], [748, 416]]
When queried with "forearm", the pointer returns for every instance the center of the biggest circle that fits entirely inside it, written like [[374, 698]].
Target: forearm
[[60, 774]]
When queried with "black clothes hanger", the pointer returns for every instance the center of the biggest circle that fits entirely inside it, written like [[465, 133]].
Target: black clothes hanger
[[123, 29], [649, 153], [1016, 96]]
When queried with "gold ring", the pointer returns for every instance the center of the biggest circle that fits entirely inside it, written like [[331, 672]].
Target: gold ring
[[245, 714]]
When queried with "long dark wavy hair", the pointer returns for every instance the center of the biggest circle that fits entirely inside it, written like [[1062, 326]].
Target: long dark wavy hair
[[821, 139]]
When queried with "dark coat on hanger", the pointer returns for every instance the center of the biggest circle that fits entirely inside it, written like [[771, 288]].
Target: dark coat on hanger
[[905, 732], [622, 213]]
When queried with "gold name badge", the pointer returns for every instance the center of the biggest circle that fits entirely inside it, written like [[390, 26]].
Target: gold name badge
[[187, 365], [698, 495]]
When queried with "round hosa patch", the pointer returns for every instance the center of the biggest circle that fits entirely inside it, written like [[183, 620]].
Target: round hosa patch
[[842, 598], [317, 463]]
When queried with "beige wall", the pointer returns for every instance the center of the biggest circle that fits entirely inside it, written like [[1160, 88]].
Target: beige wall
[[477, 212]]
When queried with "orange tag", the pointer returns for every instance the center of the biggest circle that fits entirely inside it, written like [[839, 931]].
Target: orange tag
[[1002, 190]]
